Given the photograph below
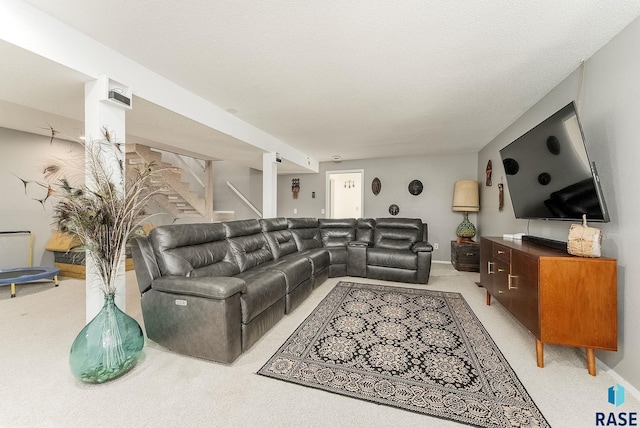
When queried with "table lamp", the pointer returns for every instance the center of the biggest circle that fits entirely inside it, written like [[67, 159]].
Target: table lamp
[[466, 199]]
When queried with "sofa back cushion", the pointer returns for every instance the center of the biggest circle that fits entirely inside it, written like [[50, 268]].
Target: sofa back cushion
[[397, 233], [305, 232], [364, 230], [279, 237], [337, 232], [248, 244], [193, 250]]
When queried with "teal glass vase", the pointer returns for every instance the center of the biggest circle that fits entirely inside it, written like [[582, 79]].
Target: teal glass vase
[[108, 346]]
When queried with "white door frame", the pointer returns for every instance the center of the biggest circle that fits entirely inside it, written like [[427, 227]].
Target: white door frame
[[328, 189]]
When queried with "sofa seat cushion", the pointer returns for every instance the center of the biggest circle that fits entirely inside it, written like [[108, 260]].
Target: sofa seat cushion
[[337, 255], [296, 270], [319, 258], [392, 258], [264, 288]]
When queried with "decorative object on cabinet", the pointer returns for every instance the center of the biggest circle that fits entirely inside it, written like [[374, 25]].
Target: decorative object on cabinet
[[465, 256], [559, 298], [584, 241], [376, 186], [488, 173], [466, 199], [295, 187], [415, 187], [394, 209]]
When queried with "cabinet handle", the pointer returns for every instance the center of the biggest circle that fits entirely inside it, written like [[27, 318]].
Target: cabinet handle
[[500, 270], [500, 292], [489, 270], [469, 254], [511, 281], [500, 252]]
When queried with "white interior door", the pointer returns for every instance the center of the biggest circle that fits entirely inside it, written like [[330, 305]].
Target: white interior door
[[345, 195]]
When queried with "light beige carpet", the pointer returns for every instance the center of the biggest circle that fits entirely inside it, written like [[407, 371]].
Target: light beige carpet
[[37, 388]]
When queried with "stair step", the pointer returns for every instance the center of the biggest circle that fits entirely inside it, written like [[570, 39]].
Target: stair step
[[175, 195]]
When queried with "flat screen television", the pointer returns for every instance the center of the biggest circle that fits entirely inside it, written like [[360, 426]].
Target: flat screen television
[[549, 174]]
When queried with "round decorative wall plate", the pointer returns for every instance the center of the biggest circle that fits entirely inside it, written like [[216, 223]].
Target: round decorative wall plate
[[511, 166], [553, 145], [394, 209], [376, 186], [415, 187], [544, 178]]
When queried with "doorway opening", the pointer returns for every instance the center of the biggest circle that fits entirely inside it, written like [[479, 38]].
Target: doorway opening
[[345, 194]]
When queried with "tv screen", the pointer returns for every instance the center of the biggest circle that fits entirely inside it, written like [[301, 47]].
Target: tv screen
[[549, 174]]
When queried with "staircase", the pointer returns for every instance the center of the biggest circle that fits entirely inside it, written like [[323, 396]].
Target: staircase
[[175, 197]]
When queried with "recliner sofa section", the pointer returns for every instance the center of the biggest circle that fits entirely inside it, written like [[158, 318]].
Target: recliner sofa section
[[212, 290]]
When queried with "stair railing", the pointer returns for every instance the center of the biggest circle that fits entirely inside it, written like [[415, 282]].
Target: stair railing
[[245, 200]]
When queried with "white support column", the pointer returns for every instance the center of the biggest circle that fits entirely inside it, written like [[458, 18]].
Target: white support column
[[208, 189], [269, 185], [101, 114]]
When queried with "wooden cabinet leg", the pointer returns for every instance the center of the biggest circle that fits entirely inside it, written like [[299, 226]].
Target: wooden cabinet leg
[[488, 299], [591, 361], [539, 353]]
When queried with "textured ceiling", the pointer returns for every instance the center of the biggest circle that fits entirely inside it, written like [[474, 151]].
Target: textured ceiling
[[359, 79]]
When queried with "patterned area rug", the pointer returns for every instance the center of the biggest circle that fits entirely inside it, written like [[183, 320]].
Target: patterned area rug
[[415, 349]]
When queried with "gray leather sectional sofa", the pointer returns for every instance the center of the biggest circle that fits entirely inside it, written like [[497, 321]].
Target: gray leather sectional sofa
[[212, 290]]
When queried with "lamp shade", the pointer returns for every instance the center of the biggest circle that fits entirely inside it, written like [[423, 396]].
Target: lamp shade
[[465, 196]]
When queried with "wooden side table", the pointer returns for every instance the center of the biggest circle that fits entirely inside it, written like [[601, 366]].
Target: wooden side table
[[465, 256]]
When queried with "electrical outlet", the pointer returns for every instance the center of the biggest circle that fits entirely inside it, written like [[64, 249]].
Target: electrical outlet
[[435, 246], [295, 211]]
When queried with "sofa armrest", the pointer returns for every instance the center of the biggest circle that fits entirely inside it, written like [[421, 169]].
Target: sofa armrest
[[421, 246], [218, 287]]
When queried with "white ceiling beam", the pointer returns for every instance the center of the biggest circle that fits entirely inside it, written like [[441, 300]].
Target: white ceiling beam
[[28, 28]]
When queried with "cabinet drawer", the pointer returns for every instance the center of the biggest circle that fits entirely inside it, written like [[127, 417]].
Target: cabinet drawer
[[500, 252], [469, 255]]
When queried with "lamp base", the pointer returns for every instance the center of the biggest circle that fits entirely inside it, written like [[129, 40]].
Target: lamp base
[[466, 229], [460, 240]]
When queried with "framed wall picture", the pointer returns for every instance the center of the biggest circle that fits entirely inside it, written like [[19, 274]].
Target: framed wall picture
[[376, 186]]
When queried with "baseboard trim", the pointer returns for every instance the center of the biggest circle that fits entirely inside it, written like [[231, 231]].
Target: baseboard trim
[[619, 379]]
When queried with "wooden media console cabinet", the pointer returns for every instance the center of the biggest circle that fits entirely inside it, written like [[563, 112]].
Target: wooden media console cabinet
[[561, 299]]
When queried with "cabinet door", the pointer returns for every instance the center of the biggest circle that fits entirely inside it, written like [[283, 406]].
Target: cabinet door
[[486, 264], [523, 291]]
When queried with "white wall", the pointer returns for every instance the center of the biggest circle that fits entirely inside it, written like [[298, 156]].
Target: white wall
[[437, 173], [247, 180], [608, 106], [24, 156]]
